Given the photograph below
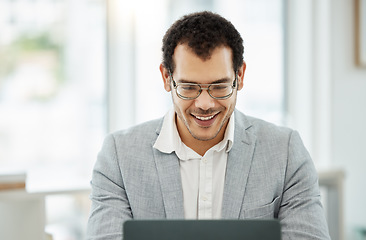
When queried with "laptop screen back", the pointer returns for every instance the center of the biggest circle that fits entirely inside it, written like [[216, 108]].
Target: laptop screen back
[[202, 230]]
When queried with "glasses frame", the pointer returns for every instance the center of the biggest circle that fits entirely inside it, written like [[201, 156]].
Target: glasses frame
[[176, 85]]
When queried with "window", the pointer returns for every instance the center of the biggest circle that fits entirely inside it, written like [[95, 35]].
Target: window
[[52, 83], [53, 100]]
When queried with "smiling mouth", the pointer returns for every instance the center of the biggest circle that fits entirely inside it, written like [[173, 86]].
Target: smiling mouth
[[205, 121], [205, 118]]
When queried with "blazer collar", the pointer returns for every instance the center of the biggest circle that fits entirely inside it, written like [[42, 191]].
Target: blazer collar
[[167, 165], [238, 167]]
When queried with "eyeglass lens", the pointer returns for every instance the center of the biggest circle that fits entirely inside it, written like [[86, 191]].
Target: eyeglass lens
[[215, 90]]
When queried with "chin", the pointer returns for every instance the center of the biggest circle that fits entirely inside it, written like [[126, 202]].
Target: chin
[[200, 138], [204, 137]]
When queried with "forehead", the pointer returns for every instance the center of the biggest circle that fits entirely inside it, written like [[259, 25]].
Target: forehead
[[191, 67]]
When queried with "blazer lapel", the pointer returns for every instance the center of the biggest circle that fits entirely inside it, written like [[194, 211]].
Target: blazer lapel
[[167, 166], [238, 168]]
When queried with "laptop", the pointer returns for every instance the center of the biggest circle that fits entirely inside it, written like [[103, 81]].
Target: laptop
[[202, 230]]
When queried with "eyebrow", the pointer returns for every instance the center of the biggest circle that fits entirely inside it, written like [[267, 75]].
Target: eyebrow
[[222, 80]]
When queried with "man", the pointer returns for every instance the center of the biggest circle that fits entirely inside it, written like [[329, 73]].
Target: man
[[204, 159]]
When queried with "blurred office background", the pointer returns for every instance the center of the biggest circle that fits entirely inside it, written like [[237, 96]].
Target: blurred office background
[[73, 71]]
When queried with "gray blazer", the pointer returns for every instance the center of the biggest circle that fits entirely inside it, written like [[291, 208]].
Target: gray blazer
[[269, 175]]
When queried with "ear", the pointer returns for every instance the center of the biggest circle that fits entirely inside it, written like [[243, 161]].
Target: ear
[[241, 73], [166, 77]]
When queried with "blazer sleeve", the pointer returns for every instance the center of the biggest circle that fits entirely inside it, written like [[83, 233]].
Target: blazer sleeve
[[301, 213], [110, 206]]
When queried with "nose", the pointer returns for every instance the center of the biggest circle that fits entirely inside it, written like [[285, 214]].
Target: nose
[[204, 100]]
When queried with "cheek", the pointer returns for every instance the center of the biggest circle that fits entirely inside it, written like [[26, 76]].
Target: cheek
[[181, 105], [227, 104]]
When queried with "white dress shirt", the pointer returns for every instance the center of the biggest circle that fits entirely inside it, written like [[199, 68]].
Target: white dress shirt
[[202, 176]]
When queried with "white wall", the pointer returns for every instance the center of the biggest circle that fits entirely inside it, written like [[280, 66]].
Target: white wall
[[348, 113]]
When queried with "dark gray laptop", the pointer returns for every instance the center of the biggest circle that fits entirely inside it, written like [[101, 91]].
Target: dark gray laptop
[[201, 230]]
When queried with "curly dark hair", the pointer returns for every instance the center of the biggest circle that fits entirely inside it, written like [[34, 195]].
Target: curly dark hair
[[203, 32]]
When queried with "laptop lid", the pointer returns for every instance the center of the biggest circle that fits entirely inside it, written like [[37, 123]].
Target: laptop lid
[[202, 230]]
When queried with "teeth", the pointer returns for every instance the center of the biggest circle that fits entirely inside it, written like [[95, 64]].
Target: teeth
[[204, 118]]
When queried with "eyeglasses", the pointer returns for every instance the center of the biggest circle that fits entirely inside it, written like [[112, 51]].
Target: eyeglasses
[[190, 91]]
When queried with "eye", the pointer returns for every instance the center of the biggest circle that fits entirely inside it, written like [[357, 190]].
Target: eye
[[188, 87], [219, 87]]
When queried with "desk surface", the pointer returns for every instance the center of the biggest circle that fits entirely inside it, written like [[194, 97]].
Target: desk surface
[[50, 181]]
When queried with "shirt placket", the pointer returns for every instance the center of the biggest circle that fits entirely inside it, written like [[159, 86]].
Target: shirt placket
[[205, 187]]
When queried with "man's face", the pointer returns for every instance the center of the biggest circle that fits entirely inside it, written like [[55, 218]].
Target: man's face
[[203, 118]]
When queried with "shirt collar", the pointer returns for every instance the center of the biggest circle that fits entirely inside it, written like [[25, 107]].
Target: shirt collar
[[169, 140]]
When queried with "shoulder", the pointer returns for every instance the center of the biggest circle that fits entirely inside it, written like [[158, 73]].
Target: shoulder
[[261, 128], [143, 133], [141, 129], [273, 139]]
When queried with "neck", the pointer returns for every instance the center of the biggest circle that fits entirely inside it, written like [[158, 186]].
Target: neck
[[199, 146]]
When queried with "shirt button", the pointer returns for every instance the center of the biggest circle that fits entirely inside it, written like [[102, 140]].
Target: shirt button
[[204, 198], [204, 160]]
